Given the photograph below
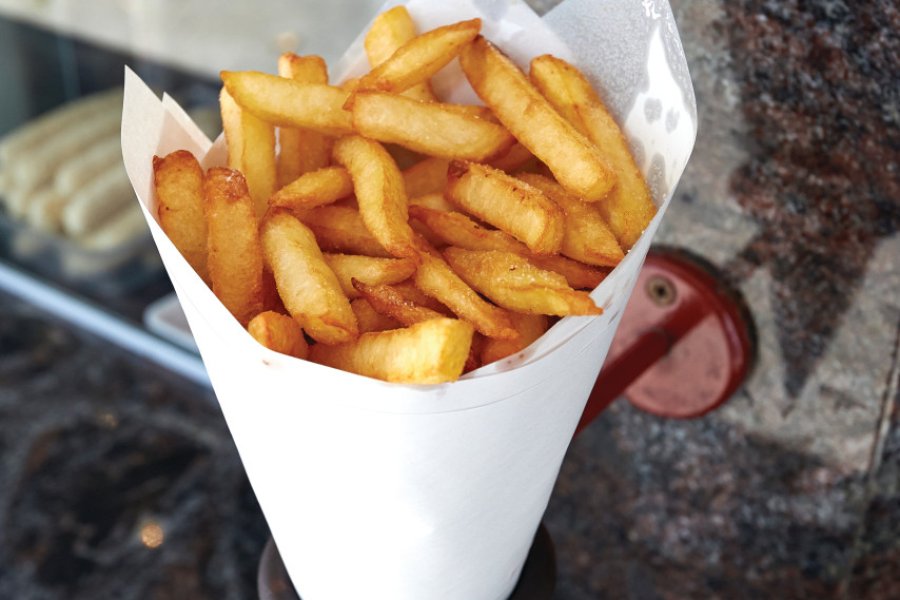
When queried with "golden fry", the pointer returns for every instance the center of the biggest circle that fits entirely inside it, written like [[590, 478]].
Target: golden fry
[[251, 150], [316, 188], [234, 256], [428, 127], [408, 290], [178, 180], [574, 161], [434, 351], [629, 208], [369, 319], [426, 177], [578, 275], [302, 150], [341, 229], [420, 58], [513, 283], [380, 192], [368, 270], [279, 333], [508, 204], [309, 288], [288, 103], [388, 301], [434, 201], [390, 30], [530, 328], [587, 236]]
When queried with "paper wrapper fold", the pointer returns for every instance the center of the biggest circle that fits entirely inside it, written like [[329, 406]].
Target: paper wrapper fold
[[376, 490]]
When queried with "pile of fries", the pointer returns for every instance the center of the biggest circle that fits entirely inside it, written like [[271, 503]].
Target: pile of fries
[[327, 250]]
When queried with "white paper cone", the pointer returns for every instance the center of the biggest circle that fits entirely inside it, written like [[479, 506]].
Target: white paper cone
[[385, 491]]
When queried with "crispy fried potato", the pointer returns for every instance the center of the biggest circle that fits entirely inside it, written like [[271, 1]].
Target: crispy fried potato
[[390, 30], [251, 150], [428, 127], [309, 288], [587, 236], [316, 188], [578, 275], [234, 256], [420, 58], [380, 192], [279, 333], [341, 229], [434, 351], [288, 103], [508, 204], [426, 177], [516, 158], [437, 279], [629, 208], [408, 290], [368, 270], [434, 201], [178, 180], [388, 301], [513, 283], [369, 319], [530, 328], [271, 300], [302, 150], [574, 161]]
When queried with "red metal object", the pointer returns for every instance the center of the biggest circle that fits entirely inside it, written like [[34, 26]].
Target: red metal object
[[683, 346]]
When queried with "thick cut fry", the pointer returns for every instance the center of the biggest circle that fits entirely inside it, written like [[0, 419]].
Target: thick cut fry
[[178, 179], [430, 352], [408, 290], [390, 30], [380, 192], [368, 270], [390, 302], [508, 204], [251, 150], [587, 236], [288, 103], [426, 177], [629, 208], [574, 161], [530, 328], [420, 58], [579, 275], [234, 256], [369, 319], [309, 288], [437, 279], [279, 333], [514, 283], [434, 201], [341, 229], [302, 150], [313, 189], [428, 127]]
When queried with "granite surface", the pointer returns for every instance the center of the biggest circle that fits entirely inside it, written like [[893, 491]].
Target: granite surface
[[119, 481]]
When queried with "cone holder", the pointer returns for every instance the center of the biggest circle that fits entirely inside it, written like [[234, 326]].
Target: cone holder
[[684, 346]]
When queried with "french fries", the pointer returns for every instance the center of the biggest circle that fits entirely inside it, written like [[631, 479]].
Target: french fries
[[368, 270], [279, 333], [390, 30], [369, 319], [587, 236], [433, 201], [309, 288], [313, 189], [251, 150], [433, 351], [341, 229], [629, 208], [530, 328], [388, 301], [515, 284], [287, 103], [574, 161], [302, 150], [380, 192], [428, 127], [234, 258], [426, 177], [420, 58], [508, 204], [178, 180]]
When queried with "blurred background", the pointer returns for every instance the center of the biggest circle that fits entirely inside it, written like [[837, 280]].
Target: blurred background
[[118, 478]]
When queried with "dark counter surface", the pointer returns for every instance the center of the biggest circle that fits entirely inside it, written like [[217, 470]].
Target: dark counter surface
[[119, 481]]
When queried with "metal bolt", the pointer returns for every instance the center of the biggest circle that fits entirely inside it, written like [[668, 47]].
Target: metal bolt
[[661, 290]]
